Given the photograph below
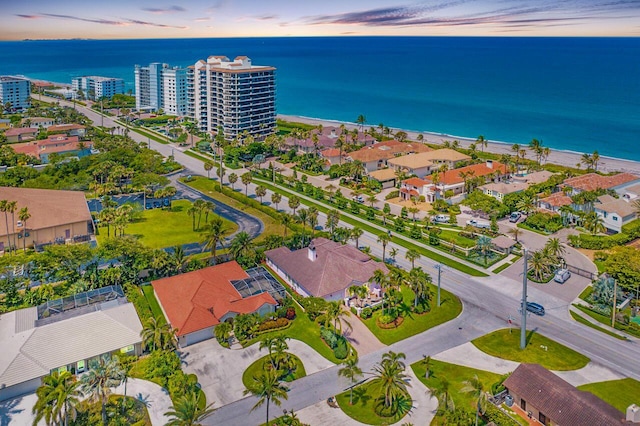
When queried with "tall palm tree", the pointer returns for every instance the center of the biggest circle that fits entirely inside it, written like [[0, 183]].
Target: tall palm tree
[[97, 383], [303, 217], [261, 191], [267, 388], [384, 239], [58, 397], [412, 255], [390, 379], [294, 203], [246, 180], [352, 372], [419, 281], [356, 233], [594, 223], [233, 178], [213, 233], [285, 220], [192, 211], [4, 208], [23, 216], [154, 333], [241, 245], [275, 199], [382, 280], [483, 245], [443, 395], [208, 165], [480, 140], [333, 219], [475, 388], [555, 248], [186, 411]]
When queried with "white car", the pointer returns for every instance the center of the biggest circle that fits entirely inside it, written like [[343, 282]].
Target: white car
[[479, 223]]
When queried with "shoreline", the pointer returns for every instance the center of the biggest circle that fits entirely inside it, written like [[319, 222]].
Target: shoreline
[[558, 156]]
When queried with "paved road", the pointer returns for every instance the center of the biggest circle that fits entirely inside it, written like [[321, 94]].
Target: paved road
[[487, 304]]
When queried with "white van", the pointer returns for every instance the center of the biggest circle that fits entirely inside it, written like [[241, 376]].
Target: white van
[[479, 223], [442, 218], [561, 276]]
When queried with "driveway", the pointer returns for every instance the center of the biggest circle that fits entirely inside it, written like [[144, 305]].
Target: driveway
[[220, 370]]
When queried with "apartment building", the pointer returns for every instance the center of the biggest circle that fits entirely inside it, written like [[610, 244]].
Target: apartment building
[[97, 87], [15, 92], [237, 96], [161, 87]]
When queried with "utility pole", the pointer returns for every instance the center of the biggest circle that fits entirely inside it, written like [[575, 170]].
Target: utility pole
[[438, 266], [523, 325]]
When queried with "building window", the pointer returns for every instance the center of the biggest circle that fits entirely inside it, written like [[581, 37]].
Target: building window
[[615, 218]]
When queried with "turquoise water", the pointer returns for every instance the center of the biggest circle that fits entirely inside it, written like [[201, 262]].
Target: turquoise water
[[578, 94]]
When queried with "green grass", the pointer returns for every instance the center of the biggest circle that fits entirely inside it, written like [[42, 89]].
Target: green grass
[[502, 267], [150, 135], [588, 323], [456, 238], [619, 393], [606, 320], [363, 407], [197, 156], [160, 228], [366, 226], [207, 186], [506, 345], [586, 293], [153, 302], [414, 324], [456, 375], [258, 367]]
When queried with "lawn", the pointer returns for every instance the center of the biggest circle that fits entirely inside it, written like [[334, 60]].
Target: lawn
[[363, 408], [588, 323], [619, 393], [258, 367], [413, 324], [153, 302], [456, 375], [161, 228], [456, 238], [586, 293], [207, 186], [506, 345], [606, 320]]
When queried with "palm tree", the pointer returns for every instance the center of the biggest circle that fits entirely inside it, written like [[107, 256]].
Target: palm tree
[[333, 219], [483, 245], [209, 207], [361, 120], [303, 216], [233, 178], [294, 203], [412, 255], [419, 281], [267, 388], [223, 330], [480, 140], [157, 334], [381, 278], [208, 165], [555, 248], [192, 211], [515, 232], [352, 372], [57, 398], [595, 159], [384, 239], [393, 253], [516, 149], [594, 223], [390, 379], [186, 411], [261, 191], [97, 383], [356, 233], [246, 180], [475, 388], [213, 233], [414, 211], [23, 216], [426, 361], [4, 208], [442, 394], [275, 199], [241, 245], [285, 220]]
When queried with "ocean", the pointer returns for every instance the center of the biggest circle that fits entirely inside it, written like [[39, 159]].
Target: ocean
[[576, 94]]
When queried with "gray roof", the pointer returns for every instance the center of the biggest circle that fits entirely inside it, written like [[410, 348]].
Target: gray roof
[[30, 351], [612, 205], [336, 267], [503, 242]]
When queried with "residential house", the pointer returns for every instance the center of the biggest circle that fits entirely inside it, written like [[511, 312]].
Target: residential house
[[70, 129], [554, 202], [498, 190], [69, 334], [5, 123], [333, 156], [325, 138], [386, 177], [375, 157], [324, 269], [630, 193], [454, 180], [615, 212], [541, 395], [56, 217], [55, 144], [503, 244], [38, 122], [534, 177], [594, 181], [416, 187], [20, 134], [424, 163], [195, 302]]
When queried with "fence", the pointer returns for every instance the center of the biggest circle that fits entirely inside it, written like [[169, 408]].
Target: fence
[[582, 272]]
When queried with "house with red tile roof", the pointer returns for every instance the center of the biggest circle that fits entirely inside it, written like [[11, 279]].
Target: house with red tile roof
[[55, 144], [20, 134], [333, 156], [319, 140], [594, 181], [195, 302], [324, 269], [375, 157], [554, 202], [70, 129]]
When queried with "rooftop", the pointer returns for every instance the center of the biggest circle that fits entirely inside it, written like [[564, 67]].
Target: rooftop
[[557, 199], [386, 150], [424, 159], [452, 177], [614, 205], [504, 187], [593, 181], [15, 131], [414, 181], [383, 174]]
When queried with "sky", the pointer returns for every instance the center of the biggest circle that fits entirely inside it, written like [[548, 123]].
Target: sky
[[126, 19]]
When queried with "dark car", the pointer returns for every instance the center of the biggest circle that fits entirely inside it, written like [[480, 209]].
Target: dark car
[[166, 202], [535, 308], [156, 204]]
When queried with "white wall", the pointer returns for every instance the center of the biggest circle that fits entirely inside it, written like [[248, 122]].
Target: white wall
[[197, 336], [20, 389]]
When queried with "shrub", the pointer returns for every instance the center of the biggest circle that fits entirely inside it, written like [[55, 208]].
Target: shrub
[[422, 308], [342, 349], [392, 194], [291, 313], [416, 233], [495, 415], [544, 222], [366, 313], [273, 324], [386, 319], [329, 337]]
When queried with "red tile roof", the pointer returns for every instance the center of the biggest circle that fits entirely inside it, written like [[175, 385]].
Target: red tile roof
[[197, 300], [414, 181], [452, 177], [331, 152], [64, 127], [15, 131], [557, 199], [386, 150], [593, 181]]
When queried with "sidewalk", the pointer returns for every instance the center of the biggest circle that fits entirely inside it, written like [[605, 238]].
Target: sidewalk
[[597, 323]]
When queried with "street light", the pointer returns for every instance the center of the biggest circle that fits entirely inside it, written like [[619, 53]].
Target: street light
[[438, 266]]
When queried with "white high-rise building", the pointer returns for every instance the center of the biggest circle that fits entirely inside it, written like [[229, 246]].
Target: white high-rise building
[[96, 87], [15, 91], [235, 95], [159, 86]]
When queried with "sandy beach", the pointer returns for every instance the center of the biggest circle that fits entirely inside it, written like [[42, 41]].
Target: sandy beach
[[564, 158]]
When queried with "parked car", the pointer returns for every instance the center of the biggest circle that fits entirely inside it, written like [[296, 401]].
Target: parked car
[[515, 217], [442, 218], [479, 223], [562, 275], [535, 308], [358, 199]]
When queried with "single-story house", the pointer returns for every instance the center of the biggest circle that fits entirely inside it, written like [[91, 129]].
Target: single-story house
[[503, 244], [69, 334], [386, 177], [375, 157], [498, 190], [615, 212], [56, 217], [195, 302], [20, 134], [70, 129], [55, 144], [38, 122], [324, 269], [424, 163], [544, 396]]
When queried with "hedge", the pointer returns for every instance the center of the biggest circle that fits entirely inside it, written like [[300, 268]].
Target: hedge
[[630, 232], [498, 417]]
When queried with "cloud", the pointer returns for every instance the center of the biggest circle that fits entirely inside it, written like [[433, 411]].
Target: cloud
[[217, 6], [205, 19], [257, 18], [28, 16], [160, 11], [121, 23]]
